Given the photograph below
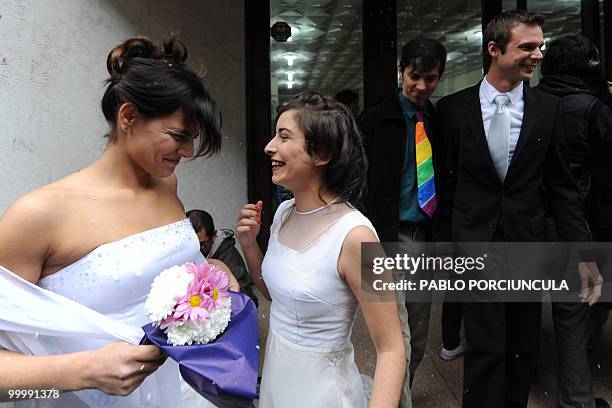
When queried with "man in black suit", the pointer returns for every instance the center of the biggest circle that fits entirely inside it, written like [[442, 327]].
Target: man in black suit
[[504, 156], [570, 64], [395, 202]]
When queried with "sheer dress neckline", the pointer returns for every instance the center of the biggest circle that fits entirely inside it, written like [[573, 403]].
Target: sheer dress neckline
[[316, 210], [315, 242]]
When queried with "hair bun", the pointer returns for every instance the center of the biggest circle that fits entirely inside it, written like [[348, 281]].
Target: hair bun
[[136, 47], [174, 49]]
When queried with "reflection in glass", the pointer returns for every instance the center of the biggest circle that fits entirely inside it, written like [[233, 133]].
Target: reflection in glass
[[457, 24], [561, 18], [324, 52], [508, 5]]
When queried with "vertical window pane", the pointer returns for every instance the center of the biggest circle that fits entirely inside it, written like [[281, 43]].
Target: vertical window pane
[[562, 17], [602, 34], [455, 23], [508, 5], [324, 52]]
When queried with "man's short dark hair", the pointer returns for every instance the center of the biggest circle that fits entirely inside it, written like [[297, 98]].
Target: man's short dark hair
[[572, 55], [499, 29], [200, 219], [423, 55]]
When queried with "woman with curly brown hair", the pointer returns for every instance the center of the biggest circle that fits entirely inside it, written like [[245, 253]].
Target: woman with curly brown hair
[[312, 267]]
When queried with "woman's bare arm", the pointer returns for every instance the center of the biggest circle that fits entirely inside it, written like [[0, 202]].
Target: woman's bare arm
[[117, 369], [247, 228], [26, 230], [27, 236], [383, 323]]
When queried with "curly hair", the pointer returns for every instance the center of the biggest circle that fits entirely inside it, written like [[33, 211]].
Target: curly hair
[[332, 134]]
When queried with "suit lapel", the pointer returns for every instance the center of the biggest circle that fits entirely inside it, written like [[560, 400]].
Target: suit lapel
[[530, 116], [474, 119]]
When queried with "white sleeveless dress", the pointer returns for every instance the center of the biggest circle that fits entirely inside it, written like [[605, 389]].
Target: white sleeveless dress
[[101, 299], [309, 360]]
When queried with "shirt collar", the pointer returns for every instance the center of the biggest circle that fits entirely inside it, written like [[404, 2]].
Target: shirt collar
[[516, 95], [409, 109]]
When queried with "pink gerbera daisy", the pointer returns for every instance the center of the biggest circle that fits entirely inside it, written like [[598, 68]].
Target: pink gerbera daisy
[[216, 287], [194, 304], [205, 292]]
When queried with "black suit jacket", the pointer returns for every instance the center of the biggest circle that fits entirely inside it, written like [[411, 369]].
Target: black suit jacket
[[384, 131], [474, 200]]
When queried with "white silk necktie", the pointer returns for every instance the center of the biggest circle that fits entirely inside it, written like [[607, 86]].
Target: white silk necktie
[[499, 135]]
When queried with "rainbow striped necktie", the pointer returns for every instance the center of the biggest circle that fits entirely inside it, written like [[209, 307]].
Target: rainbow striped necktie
[[424, 169]]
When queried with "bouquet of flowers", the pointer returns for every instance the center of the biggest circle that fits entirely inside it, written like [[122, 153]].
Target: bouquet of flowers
[[190, 303], [210, 331]]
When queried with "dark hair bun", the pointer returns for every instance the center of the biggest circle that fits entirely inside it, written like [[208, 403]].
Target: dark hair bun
[[174, 49], [136, 47], [142, 47]]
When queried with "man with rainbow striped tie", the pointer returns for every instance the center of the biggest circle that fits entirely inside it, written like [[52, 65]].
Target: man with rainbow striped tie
[[402, 199]]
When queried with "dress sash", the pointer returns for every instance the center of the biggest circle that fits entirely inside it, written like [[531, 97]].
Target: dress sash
[[36, 321]]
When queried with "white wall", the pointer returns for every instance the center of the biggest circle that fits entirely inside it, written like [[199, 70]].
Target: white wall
[[53, 63]]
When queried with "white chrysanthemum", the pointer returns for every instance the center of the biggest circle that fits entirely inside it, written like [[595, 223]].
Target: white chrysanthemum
[[203, 331], [166, 286]]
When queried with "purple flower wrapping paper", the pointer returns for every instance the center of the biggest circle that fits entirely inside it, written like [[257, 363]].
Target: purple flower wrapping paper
[[225, 370]]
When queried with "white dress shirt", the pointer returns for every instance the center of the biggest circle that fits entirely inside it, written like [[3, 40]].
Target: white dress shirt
[[516, 107]]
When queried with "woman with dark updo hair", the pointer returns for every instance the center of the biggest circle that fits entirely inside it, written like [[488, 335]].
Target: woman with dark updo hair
[[98, 238], [312, 268]]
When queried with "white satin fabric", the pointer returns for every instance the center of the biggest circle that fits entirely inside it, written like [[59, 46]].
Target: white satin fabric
[[309, 360], [98, 299]]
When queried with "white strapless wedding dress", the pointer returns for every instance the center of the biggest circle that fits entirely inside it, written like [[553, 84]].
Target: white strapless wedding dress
[[95, 300], [309, 360]]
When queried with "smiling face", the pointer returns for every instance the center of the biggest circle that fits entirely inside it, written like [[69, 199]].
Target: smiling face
[[157, 145], [292, 166], [522, 55], [419, 86]]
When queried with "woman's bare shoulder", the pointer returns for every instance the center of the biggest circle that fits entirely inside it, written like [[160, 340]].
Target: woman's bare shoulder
[[43, 210], [359, 234], [27, 231], [44, 203]]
